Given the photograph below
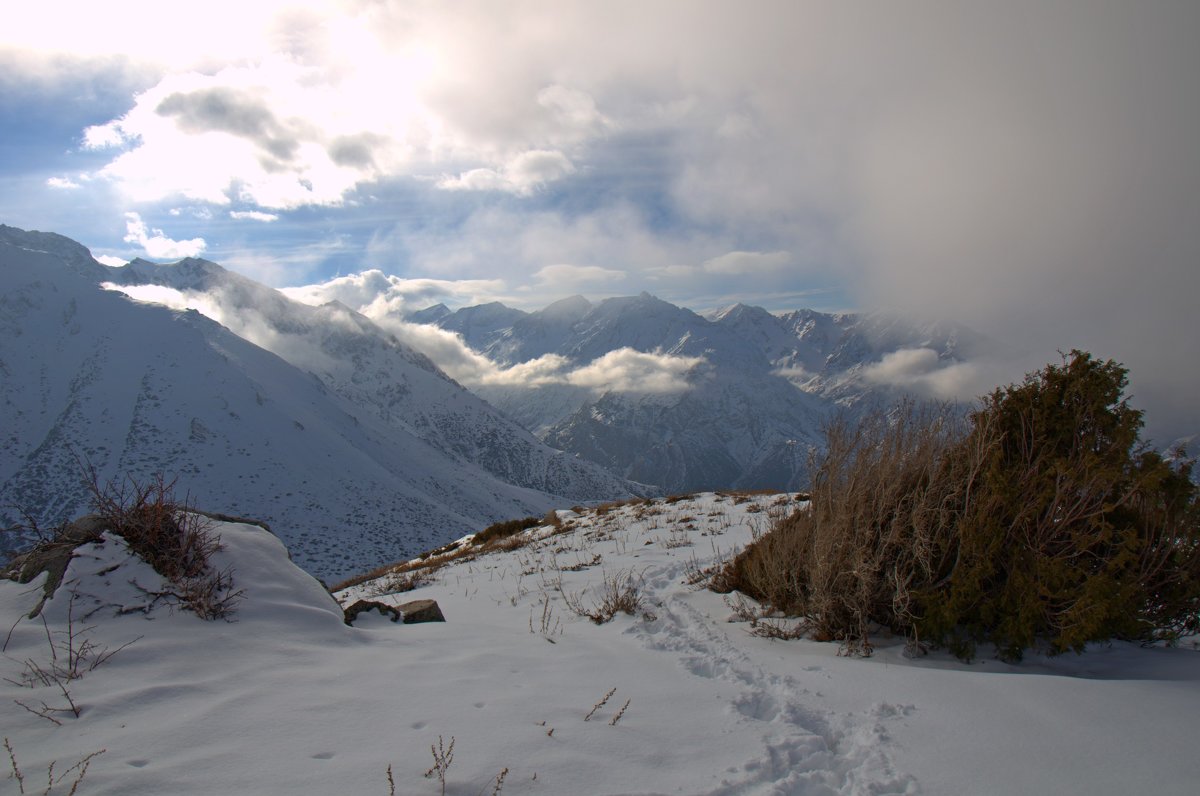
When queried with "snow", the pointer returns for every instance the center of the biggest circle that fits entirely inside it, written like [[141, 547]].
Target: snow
[[287, 699], [376, 456]]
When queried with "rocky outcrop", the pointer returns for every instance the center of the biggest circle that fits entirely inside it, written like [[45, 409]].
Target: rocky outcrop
[[409, 613]]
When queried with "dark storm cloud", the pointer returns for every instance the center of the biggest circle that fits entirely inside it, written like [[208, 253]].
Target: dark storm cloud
[[227, 110], [355, 151]]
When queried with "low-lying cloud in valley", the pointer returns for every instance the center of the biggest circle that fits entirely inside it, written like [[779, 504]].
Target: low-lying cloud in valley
[[624, 370], [920, 370]]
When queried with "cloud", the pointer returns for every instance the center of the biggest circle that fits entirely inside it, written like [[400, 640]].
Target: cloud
[[795, 372], [378, 295], [104, 136], [156, 244], [623, 370], [522, 175], [627, 370], [386, 299], [62, 183], [224, 109], [253, 215], [920, 370], [1026, 168], [271, 134]]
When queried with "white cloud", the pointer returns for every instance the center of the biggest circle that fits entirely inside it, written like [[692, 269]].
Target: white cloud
[[794, 372], [253, 215], [111, 260], [156, 244], [158, 294], [378, 295], [103, 136], [63, 183], [920, 370], [522, 175], [623, 370], [627, 370]]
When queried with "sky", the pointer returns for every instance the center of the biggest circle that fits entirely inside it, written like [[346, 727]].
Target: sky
[[1026, 168]]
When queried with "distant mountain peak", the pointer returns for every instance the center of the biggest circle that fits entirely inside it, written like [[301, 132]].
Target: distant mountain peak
[[572, 306]]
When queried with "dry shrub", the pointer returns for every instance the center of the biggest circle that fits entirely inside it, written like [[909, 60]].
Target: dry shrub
[[878, 528], [507, 528], [620, 593], [172, 537]]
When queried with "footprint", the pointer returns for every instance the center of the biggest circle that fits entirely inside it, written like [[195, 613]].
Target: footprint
[[757, 705], [480, 704], [418, 725], [137, 763], [322, 756]]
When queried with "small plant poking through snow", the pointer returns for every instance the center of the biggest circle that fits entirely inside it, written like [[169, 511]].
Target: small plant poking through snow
[[599, 704], [620, 593], [499, 786], [79, 771], [443, 756], [72, 655], [619, 713]]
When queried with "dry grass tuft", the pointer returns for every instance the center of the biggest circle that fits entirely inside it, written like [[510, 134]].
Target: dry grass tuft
[[878, 527], [619, 593]]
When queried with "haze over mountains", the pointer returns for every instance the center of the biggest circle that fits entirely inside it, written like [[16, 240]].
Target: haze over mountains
[[660, 394], [363, 453]]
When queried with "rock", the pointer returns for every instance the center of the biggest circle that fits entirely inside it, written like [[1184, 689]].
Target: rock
[[53, 555], [410, 613], [362, 606], [421, 611]]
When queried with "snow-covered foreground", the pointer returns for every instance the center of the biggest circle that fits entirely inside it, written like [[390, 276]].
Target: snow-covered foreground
[[287, 699]]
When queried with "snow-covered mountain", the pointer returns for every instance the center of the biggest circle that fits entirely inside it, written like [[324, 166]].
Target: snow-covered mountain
[[375, 371], [753, 406], [360, 447]]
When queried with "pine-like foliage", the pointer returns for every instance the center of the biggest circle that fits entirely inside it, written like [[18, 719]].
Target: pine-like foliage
[[1075, 533], [1043, 523]]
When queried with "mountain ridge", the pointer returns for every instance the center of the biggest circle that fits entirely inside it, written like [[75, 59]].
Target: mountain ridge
[[752, 409], [136, 389]]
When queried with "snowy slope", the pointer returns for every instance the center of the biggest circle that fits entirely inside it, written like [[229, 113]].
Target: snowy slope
[[137, 389], [289, 700], [372, 369]]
